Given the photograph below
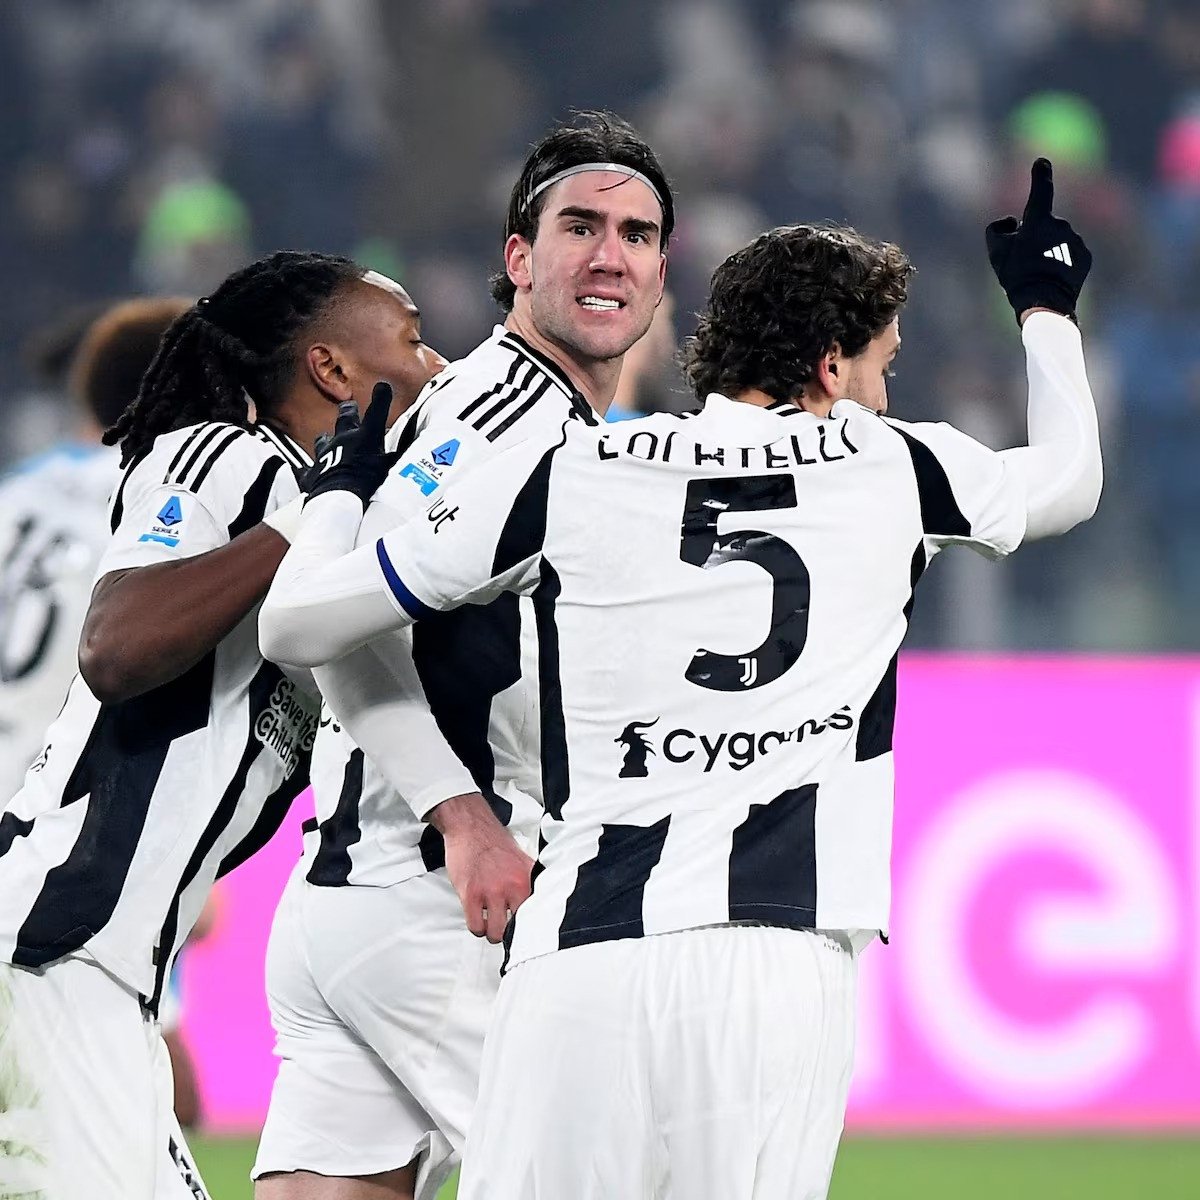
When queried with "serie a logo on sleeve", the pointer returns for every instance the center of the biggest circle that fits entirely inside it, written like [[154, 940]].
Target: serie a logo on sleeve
[[429, 470], [168, 524]]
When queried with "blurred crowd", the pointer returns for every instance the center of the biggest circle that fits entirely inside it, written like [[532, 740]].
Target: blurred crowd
[[153, 145]]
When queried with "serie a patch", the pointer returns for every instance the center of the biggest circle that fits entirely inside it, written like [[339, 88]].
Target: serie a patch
[[428, 470], [168, 524]]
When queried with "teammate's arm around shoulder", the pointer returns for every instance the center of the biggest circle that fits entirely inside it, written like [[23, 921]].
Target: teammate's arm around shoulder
[[190, 558], [472, 543]]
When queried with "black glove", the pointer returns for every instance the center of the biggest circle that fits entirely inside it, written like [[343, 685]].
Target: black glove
[[353, 459], [1041, 262]]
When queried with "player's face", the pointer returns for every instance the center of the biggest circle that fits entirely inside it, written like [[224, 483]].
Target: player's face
[[864, 377], [382, 341], [596, 270]]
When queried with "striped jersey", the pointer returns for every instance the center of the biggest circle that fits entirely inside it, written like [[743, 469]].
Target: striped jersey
[[133, 809], [53, 532], [719, 602], [468, 670]]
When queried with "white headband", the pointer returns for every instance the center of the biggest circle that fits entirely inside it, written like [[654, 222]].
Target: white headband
[[619, 168], [380, 280]]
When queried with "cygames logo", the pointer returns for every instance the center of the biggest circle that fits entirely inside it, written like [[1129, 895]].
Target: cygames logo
[[736, 750]]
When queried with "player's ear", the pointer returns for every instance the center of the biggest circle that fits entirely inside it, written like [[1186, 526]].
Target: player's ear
[[828, 373], [326, 373], [518, 261]]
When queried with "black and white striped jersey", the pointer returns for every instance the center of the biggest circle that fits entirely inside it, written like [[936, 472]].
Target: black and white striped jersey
[[53, 531], [447, 708], [133, 809], [719, 602]]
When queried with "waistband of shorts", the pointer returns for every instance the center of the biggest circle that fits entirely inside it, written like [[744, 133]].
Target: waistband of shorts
[[839, 939]]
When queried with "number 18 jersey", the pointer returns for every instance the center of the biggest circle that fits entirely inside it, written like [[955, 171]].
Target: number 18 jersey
[[720, 600]]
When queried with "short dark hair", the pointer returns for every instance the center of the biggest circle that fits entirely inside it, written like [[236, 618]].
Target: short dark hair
[[590, 137], [243, 339], [781, 303], [115, 352]]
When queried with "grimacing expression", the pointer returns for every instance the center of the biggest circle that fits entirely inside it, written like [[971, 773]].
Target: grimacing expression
[[864, 377], [596, 267], [382, 341]]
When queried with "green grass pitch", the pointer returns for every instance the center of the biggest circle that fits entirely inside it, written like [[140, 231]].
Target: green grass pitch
[[1100, 1168]]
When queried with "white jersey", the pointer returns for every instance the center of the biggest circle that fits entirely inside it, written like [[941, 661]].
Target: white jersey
[[53, 531], [133, 809], [719, 602], [470, 669]]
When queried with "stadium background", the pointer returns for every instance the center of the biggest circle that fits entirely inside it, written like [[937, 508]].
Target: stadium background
[[1035, 1026]]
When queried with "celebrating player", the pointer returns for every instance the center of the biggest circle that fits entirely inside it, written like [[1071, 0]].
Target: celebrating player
[[179, 749], [379, 1064], [721, 600]]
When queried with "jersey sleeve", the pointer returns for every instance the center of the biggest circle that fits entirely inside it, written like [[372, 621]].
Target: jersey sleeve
[[968, 495], [376, 695], [992, 501], [176, 504], [481, 536], [1062, 466], [436, 448]]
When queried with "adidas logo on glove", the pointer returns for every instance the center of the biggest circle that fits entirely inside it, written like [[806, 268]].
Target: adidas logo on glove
[[1061, 252]]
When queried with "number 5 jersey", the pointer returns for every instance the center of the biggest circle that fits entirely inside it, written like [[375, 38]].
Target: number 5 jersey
[[719, 601]]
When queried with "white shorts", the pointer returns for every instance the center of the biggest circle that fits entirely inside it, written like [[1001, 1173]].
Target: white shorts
[[710, 1063], [85, 1091], [380, 999]]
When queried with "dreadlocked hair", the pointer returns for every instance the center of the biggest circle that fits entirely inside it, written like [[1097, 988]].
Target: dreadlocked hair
[[242, 340]]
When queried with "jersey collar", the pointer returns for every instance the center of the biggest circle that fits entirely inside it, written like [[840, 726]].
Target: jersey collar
[[752, 415], [579, 403], [514, 341], [293, 453]]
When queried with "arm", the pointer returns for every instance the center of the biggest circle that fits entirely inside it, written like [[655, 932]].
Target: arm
[[377, 697], [1042, 263], [325, 602], [147, 625], [383, 708], [192, 552], [308, 596], [1061, 468], [327, 597]]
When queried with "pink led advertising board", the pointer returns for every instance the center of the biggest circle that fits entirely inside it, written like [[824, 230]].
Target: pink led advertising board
[[1044, 965]]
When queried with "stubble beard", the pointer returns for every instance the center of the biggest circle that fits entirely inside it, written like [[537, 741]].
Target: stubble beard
[[554, 322]]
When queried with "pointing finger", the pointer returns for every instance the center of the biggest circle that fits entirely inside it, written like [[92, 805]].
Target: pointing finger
[[1041, 190], [375, 419]]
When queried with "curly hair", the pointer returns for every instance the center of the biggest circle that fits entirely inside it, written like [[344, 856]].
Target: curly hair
[[242, 340], [780, 304], [591, 137]]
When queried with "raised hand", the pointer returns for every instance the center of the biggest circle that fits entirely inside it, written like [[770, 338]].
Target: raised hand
[[352, 459], [1040, 261]]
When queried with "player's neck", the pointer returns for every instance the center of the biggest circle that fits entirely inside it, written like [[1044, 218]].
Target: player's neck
[[302, 421], [596, 379]]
